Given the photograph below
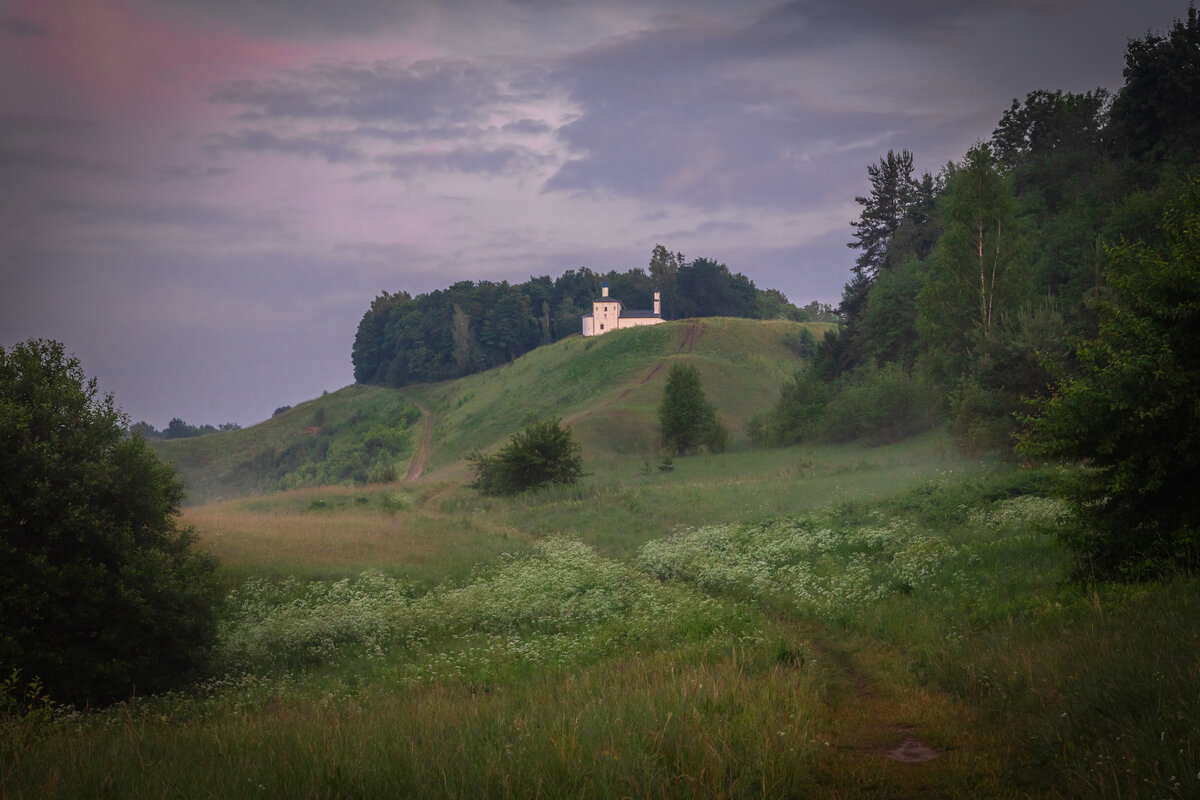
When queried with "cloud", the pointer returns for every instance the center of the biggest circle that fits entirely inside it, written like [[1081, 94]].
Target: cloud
[[679, 115], [428, 93], [21, 28], [507, 160], [32, 145], [329, 146], [198, 218]]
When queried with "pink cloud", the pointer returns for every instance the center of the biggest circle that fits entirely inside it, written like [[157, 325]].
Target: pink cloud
[[112, 55]]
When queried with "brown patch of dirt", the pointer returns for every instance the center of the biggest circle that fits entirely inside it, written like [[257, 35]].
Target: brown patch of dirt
[[417, 464], [912, 751], [872, 709], [689, 337]]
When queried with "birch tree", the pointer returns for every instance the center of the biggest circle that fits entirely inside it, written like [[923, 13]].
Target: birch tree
[[979, 267]]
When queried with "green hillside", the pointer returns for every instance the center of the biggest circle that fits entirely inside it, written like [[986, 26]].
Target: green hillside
[[606, 388]]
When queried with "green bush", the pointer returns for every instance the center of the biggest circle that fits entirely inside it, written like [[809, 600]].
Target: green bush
[[544, 453], [880, 405], [100, 592]]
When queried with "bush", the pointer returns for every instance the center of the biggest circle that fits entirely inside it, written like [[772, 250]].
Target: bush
[[797, 412], [880, 405], [544, 453], [100, 592]]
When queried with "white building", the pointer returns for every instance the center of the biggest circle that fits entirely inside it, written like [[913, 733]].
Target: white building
[[609, 314]]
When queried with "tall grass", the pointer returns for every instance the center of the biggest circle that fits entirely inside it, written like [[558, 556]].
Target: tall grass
[[780, 656]]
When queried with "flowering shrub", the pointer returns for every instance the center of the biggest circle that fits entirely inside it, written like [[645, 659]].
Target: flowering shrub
[[289, 623], [559, 604], [828, 572]]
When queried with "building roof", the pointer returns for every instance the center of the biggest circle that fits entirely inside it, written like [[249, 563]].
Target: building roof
[[630, 313]]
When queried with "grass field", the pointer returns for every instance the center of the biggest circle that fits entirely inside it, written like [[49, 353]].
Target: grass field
[[811, 622], [817, 621]]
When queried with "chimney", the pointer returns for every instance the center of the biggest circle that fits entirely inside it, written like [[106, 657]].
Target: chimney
[[604, 289], [657, 305]]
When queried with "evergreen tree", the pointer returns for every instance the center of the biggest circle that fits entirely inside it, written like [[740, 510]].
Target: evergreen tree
[[1132, 413], [687, 420], [893, 193]]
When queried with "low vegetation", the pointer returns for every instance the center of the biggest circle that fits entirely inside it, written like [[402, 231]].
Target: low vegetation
[[795, 652], [544, 454]]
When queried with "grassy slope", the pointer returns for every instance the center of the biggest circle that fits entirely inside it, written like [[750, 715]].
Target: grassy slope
[[606, 387], [756, 623]]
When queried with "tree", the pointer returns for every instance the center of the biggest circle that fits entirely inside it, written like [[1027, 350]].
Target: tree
[[543, 454], [688, 422], [1132, 415], [706, 288], [1155, 115], [464, 341], [664, 267], [893, 193], [978, 269], [100, 592]]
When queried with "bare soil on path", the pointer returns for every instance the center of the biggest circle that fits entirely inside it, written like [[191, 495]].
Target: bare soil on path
[[416, 464]]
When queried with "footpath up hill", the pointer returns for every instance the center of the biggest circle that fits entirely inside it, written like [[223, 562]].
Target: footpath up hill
[[607, 388]]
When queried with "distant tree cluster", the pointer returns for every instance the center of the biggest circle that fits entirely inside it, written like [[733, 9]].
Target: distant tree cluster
[[474, 326], [1053, 268], [178, 429]]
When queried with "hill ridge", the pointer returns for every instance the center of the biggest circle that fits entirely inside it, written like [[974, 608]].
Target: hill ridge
[[606, 387]]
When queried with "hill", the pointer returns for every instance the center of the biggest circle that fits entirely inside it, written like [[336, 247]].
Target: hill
[[607, 388]]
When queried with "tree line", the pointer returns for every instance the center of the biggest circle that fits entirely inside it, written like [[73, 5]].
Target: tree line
[[178, 429], [1042, 294], [472, 326]]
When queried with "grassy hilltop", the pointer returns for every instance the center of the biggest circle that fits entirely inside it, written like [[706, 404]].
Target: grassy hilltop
[[607, 388]]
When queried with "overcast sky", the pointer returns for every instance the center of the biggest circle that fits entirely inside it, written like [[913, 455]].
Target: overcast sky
[[200, 198]]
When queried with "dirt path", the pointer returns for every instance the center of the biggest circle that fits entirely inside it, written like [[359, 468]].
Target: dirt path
[[889, 734], [687, 343], [690, 336], [416, 465]]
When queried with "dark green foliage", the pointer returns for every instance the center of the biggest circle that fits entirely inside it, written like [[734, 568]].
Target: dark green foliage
[[893, 193], [686, 419], [471, 327], [357, 449], [1132, 412], [544, 454], [101, 594], [797, 412], [887, 329], [1012, 366], [897, 224], [979, 269], [705, 288], [1155, 116], [801, 342], [879, 405]]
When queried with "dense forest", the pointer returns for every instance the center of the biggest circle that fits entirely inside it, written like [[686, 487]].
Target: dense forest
[[470, 327], [1041, 294]]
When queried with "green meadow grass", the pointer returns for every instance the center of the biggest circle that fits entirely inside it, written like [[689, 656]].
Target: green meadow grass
[[783, 647], [755, 623]]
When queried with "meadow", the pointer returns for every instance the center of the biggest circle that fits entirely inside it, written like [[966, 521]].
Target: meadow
[[836, 621]]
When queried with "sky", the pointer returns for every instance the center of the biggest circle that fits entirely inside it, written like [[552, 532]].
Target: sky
[[201, 198]]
